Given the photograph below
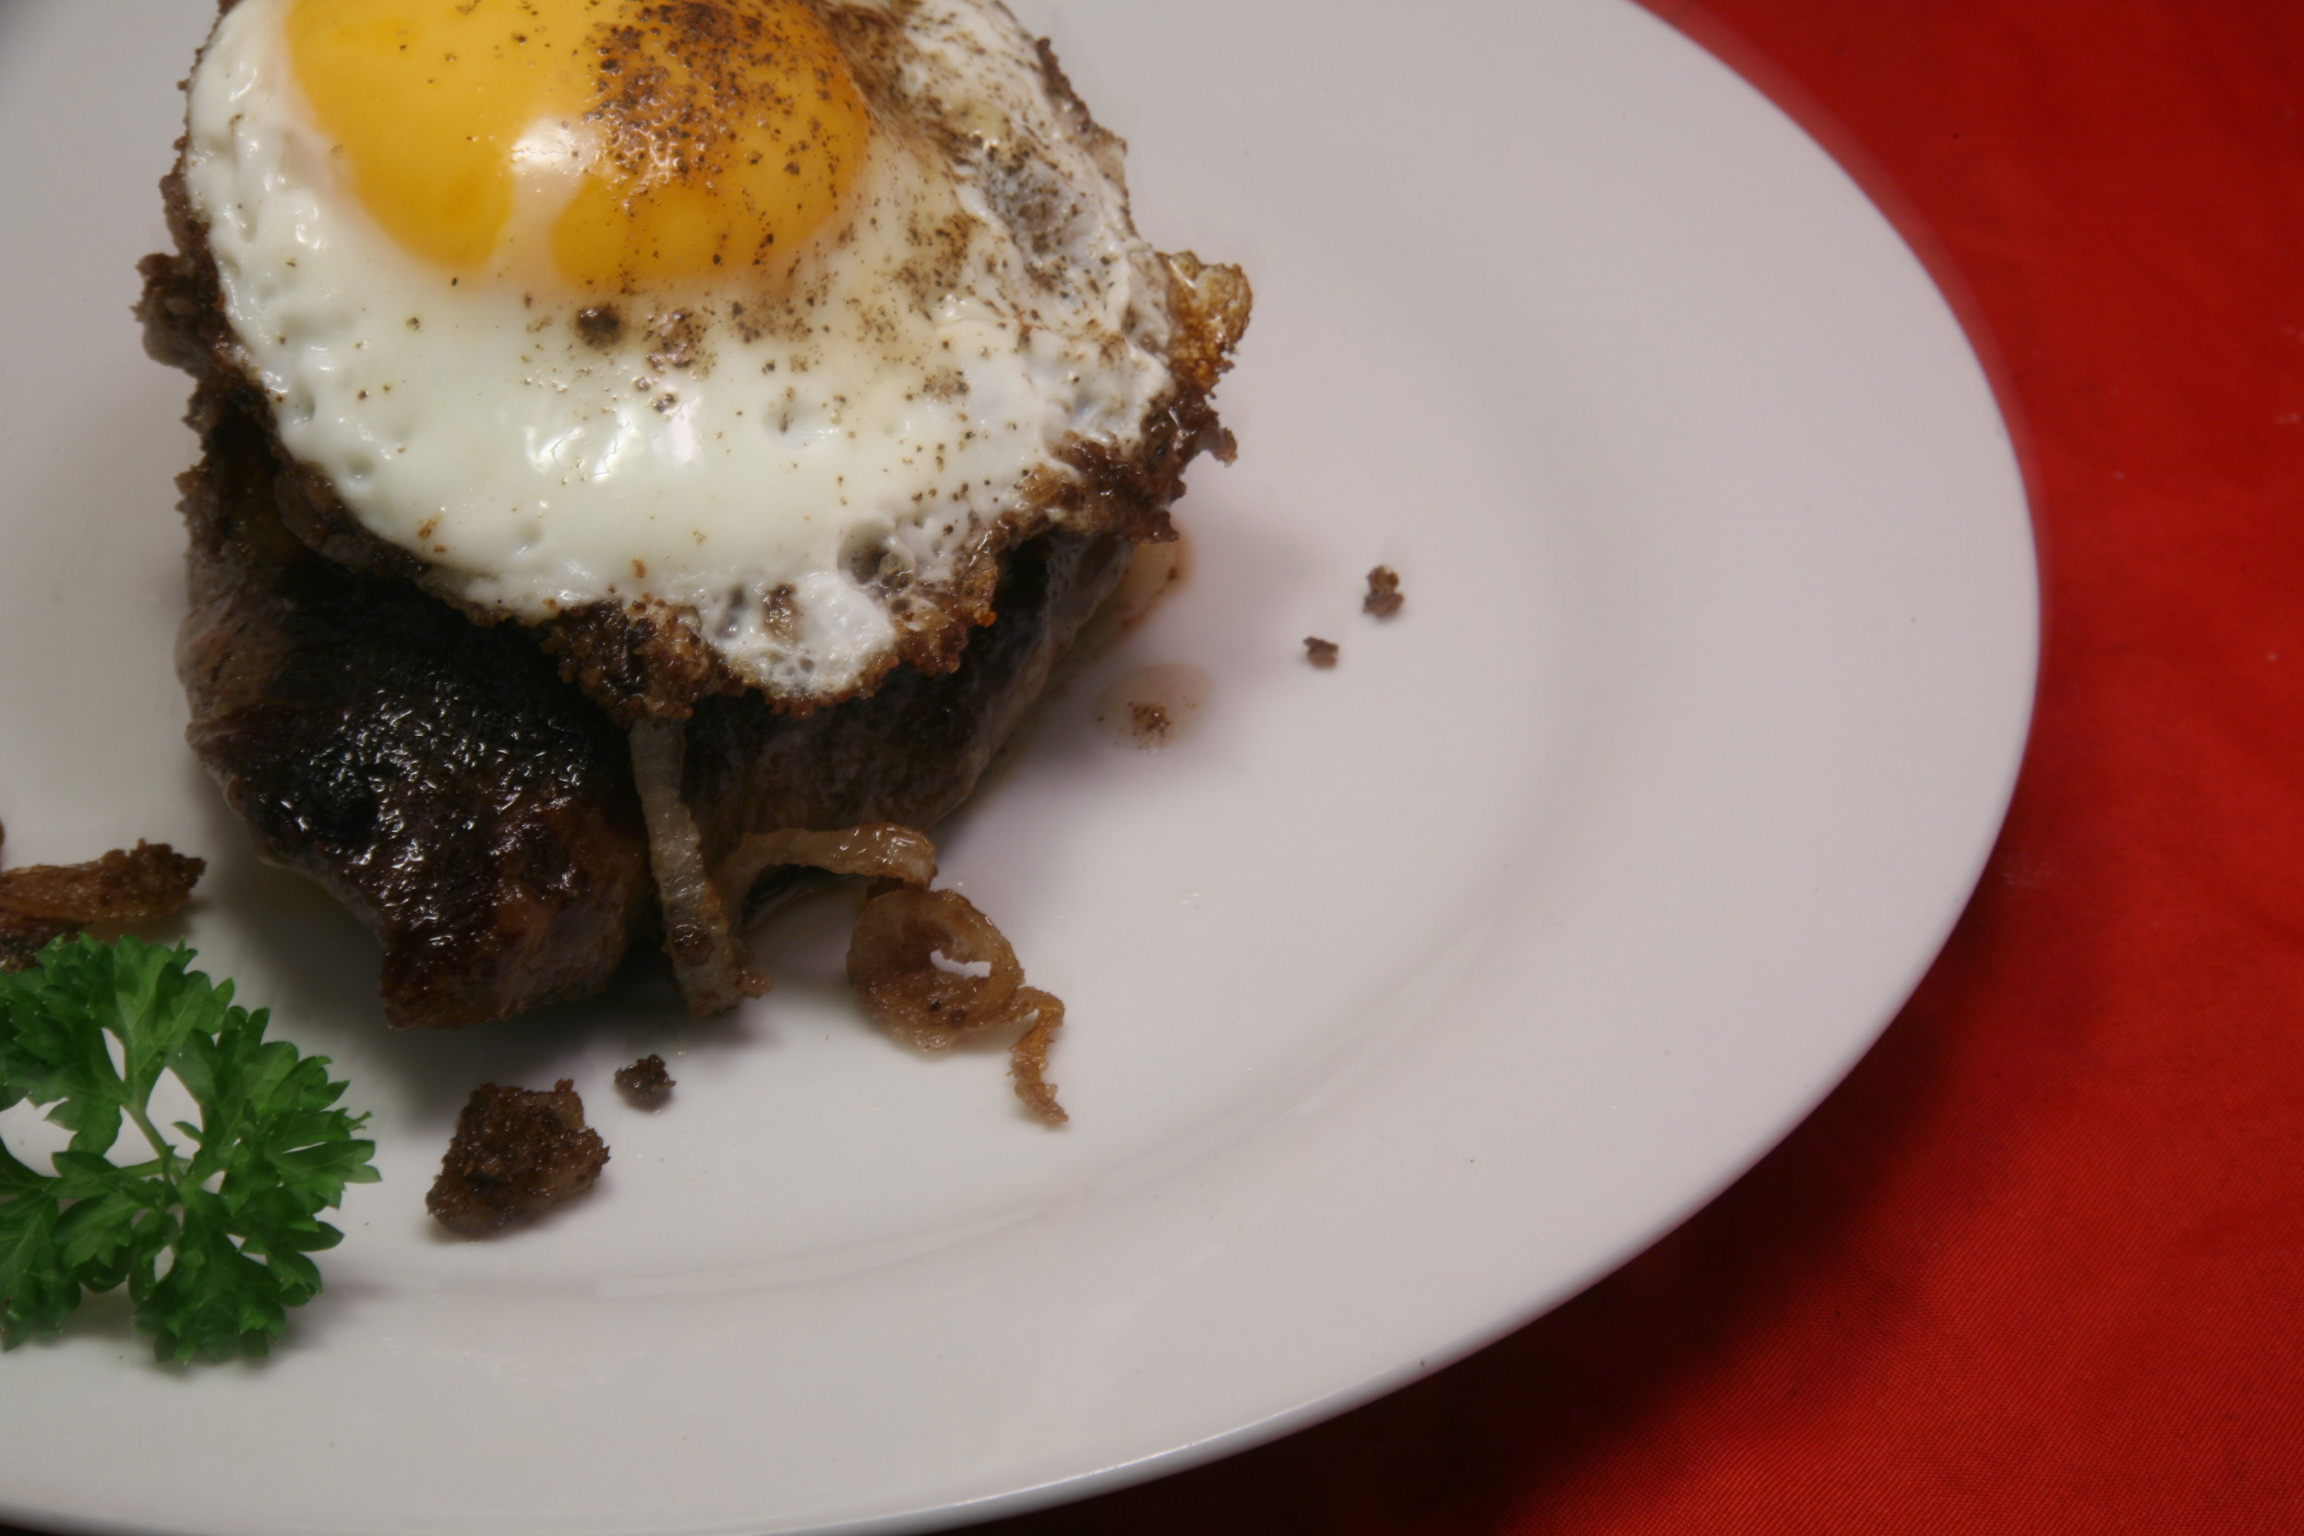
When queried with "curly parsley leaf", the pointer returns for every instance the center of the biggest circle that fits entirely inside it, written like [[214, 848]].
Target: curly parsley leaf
[[213, 1242]]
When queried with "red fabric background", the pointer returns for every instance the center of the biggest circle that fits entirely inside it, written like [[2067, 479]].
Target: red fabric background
[[2039, 1264]]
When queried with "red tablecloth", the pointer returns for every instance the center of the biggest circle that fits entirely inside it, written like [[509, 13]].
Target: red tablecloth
[[2039, 1264]]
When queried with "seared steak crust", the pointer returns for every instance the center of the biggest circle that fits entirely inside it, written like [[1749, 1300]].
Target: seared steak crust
[[438, 778]]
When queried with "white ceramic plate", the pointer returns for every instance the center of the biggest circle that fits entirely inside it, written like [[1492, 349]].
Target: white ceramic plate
[[1407, 998]]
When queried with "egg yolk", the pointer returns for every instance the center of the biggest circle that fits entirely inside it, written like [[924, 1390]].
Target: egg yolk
[[626, 144]]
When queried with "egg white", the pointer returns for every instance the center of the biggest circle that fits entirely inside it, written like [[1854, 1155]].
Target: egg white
[[778, 479]]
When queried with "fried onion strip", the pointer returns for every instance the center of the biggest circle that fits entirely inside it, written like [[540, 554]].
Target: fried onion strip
[[914, 959], [706, 961], [1028, 1057], [881, 849]]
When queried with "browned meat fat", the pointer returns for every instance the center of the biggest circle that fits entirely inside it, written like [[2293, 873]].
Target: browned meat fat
[[43, 902], [138, 885], [516, 1152]]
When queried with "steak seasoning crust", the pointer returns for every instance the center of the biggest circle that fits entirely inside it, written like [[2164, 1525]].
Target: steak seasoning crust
[[468, 791]]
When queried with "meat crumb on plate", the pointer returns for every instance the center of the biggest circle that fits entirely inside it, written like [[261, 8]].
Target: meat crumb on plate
[[1383, 599], [646, 1082], [516, 1153], [1321, 653]]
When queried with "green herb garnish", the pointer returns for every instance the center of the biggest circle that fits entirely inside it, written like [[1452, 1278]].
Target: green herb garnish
[[90, 1030]]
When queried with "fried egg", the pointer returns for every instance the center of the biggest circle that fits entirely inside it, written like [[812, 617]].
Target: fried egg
[[772, 315]]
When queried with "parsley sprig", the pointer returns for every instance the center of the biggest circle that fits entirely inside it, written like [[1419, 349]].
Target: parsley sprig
[[90, 1030]]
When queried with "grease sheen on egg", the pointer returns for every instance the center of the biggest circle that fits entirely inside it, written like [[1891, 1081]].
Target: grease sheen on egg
[[668, 304]]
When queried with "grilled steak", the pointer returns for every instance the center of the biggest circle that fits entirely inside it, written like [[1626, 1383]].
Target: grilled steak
[[469, 805], [438, 778], [467, 788]]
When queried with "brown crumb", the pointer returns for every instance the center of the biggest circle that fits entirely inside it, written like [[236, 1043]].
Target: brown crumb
[[514, 1154], [1321, 653], [1383, 599], [646, 1082], [1149, 722]]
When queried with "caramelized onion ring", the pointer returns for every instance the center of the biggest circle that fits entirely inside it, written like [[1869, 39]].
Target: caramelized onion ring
[[880, 848], [712, 972], [893, 963]]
